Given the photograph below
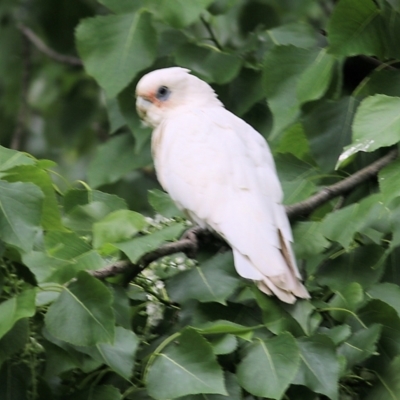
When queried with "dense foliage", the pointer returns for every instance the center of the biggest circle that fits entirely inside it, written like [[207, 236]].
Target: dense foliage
[[318, 79]]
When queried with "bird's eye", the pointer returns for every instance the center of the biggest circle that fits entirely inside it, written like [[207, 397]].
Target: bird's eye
[[163, 93]]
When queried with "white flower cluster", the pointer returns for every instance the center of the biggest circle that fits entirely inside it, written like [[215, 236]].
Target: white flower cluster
[[159, 222]]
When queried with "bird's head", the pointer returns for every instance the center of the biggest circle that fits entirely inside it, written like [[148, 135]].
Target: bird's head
[[165, 91]]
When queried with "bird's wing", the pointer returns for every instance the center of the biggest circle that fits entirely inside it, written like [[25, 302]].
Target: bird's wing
[[221, 171]]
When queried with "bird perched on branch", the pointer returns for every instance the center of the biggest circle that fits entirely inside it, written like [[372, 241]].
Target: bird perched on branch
[[220, 171]]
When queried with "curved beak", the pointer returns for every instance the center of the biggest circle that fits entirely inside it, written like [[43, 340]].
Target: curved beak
[[142, 105]]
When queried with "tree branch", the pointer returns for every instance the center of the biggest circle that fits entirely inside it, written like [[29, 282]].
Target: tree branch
[[190, 240], [42, 47], [188, 245], [307, 206]]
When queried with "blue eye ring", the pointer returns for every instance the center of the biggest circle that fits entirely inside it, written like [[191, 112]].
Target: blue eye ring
[[163, 93]]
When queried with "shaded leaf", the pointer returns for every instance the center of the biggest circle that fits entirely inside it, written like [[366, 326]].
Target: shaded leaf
[[210, 64], [283, 68], [361, 345], [190, 364], [388, 293], [120, 355], [163, 204], [321, 377], [269, 366], [213, 280], [388, 181], [378, 312], [16, 308], [363, 265], [308, 239], [298, 34], [350, 298], [388, 387], [14, 339], [20, 213], [180, 13], [355, 27], [82, 314], [114, 48], [328, 128], [114, 159]]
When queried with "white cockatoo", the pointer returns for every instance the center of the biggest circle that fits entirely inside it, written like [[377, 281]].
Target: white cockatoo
[[220, 171]]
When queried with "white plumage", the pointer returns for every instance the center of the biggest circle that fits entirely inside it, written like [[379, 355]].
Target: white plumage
[[220, 171]]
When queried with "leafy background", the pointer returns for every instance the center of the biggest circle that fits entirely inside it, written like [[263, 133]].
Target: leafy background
[[318, 79]]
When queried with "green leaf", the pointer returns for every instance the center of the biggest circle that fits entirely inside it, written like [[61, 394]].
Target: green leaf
[[275, 317], [12, 158], [361, 345], [388, 387], [163, 204], [114, 48], [294, 141], [51, 217], [221, 326], [232, 387], [66, 254], [283, 68], [269, 366], [223, 344], [298, 34], [388, 181], [76, 197], [136, 248], [338, 334], [308, 239], [117, 226], [363, 265], [376, 124], [321, 377], [328, 128], [349, 299], [120, 355], [296, 177], [190, 364], [179, 13], [378, 312], [16, 308], [213, 280], [114, 159], [82, 314], [20, 213], [356, 27], [209, 63], [388, 293], [316, 79]]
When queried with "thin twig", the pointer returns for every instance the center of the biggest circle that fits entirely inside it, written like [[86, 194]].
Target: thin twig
[[18, 134], [42, 47], [211, 32], [307, 206], [190, 241], [188, 245]]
